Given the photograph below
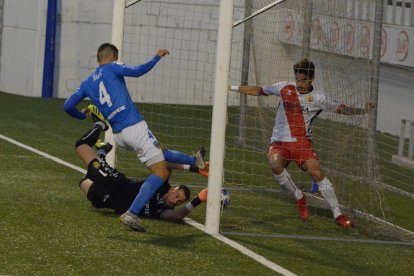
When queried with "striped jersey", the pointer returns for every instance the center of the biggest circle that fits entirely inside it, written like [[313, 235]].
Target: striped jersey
[[296, 111]]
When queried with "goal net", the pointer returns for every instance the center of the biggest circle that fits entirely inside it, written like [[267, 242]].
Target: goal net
[[176, 101]]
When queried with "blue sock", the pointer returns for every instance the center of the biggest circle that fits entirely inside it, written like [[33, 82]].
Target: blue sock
[[148, 189], [173, 156], [315, 187]]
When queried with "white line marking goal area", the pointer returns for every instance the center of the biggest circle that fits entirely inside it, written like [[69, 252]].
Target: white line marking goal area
[[258, 258]]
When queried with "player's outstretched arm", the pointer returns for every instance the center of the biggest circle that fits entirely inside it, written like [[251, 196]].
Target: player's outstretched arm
[[350, 110], [182, 212], [137, 71], [249, 90]]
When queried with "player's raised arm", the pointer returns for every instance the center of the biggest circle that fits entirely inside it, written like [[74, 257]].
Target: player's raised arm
[[249, 90], [350, 110], [142, 69]]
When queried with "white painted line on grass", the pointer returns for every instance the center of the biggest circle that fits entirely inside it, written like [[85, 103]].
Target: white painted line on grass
[[44, 154], [258, 258]]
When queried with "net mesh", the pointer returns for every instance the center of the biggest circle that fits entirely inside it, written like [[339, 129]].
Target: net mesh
[[176, 100]]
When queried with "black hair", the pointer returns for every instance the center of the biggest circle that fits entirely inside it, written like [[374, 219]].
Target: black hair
[[186, 191], [105, 50], [306, 67]]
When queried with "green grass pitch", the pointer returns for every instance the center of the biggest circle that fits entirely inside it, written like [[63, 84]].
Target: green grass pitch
[[49, 228]]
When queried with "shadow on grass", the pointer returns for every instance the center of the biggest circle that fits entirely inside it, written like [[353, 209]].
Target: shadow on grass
[[182, 242]]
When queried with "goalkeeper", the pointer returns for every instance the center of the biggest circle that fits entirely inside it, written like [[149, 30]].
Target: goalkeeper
[[299, 105], [107, 90], [105, 187]]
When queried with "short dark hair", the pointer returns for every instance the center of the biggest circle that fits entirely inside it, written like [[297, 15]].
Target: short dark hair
[[306, 67], [186, 191], [105, 50]]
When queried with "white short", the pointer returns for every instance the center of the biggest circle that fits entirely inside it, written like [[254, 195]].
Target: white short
[[140, 139]]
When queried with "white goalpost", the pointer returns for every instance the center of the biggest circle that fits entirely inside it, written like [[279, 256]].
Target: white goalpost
[[186, 102], [117, 37], [218, 127]]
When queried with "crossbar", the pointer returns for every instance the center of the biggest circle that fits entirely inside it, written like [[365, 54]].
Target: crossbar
[[132, 3], [256, 13]]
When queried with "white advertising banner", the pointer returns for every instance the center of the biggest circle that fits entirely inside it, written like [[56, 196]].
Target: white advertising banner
[[352, 38]]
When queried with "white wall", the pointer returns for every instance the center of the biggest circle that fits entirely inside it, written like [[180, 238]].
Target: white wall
[[23, 47], [82, 26], [396, 99]]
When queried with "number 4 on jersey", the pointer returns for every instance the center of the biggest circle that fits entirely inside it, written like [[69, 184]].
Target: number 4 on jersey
[[103, 95]]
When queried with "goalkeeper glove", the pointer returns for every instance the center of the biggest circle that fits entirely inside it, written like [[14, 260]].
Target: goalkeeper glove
[[201, 197]]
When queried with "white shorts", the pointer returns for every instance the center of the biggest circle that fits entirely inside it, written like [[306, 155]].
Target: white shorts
[[140, 139]]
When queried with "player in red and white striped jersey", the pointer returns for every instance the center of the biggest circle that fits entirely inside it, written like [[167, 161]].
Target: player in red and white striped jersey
[[299, 105]]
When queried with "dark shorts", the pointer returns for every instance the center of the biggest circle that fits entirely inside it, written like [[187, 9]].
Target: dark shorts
[[110, 189], [96, 171]]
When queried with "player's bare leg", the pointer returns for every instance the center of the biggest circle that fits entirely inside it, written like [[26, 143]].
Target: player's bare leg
[[278, 164], [325, 187], [160, 169], [86, 153]]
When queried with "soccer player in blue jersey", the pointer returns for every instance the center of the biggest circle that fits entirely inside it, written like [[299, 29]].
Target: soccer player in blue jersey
[[107, 90]]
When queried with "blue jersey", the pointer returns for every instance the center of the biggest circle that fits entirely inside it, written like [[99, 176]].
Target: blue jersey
[[107, 90]]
